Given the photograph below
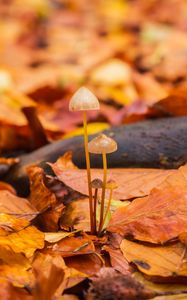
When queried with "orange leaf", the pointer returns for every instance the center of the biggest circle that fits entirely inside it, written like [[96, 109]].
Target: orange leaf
[[72, 246], [44, 200], [159, 217], [16, 206], [131, 182], [162, 261], [25, 241]]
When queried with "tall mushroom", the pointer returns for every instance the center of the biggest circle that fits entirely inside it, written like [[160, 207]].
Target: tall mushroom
[[102, 144], [84, 100]]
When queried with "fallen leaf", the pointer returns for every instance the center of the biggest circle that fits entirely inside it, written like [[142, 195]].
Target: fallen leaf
[[104, 74], [88, 264], [71, 246], [7, 187], [43, 263], [25, 241], [117, 260], [53, 237], [160, 287], [157, 218], [149, 89], [44, 200], [183, 238], [14, 266], [49, 276], [165, 261], [12, 224], [16, 206], [9, 291], [92, 129], [174, 104], [76, 215], [11, 105], [131, 182]]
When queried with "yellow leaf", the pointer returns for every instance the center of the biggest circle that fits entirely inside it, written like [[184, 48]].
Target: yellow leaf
[[53, 237], [92, 129], [25, 241]]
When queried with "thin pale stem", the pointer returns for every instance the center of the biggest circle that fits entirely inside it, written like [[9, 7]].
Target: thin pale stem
[[103, 190], [95, 210], [88, 169], [107, 209]]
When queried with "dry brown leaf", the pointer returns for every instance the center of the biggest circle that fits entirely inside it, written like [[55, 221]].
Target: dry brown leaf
[[117, 260], [183, 238], [44, 200], [72, 246], [16, 206], [76, 215], [160, 287], [9, 291], [131, 182], [49, 276], [148, 88], [159, 217], [88, 264], [7, 187], [44, 262], [165, 261]]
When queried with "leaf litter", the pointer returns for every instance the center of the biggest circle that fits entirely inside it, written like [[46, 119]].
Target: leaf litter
[[132, 55]]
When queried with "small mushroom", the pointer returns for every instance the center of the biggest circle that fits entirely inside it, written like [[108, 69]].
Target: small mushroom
[[102, 144], [111, 185], [96, 184], [84, 100]]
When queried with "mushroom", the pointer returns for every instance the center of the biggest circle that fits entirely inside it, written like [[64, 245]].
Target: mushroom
[[96, 184], [84, 100], [102, 144], [111, 185]]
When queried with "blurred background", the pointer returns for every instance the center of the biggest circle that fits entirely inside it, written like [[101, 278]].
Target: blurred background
[[131, 53]]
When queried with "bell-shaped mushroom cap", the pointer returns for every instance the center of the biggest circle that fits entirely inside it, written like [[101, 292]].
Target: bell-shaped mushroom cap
[[102, 144], [97, 183], [111, 185], [83, 99]]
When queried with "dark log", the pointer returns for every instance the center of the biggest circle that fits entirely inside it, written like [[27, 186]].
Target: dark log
[[160, 143]]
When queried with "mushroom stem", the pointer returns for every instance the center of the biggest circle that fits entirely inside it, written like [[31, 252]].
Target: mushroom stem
[[107, 209], [95, 210], [88, 169], [103, 190]]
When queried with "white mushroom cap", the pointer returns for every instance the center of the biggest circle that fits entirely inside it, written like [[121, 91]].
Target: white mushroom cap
[[102, 144], [83, 99]]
